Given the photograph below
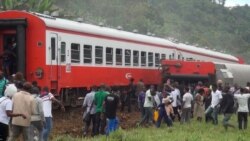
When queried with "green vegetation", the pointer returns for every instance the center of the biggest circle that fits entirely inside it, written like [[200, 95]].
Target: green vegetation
[[188, 132], [28, 5]]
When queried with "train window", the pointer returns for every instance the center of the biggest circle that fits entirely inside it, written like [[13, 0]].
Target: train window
[[173, 57], [157, 59], [53, 48], [87, 53], [109, 56], [75, 53], [183, 58], [143, 58], [118, 56], [179, 57], [127, 57], [98, 54], [63, 52], [190, 59], [163, 56], [150, 59], [136, 58], [170, 57]]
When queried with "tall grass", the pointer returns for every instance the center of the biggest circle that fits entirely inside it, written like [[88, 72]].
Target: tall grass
[[194, 131]]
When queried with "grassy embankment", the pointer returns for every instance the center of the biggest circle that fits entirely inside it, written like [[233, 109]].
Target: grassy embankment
[[188, 132]]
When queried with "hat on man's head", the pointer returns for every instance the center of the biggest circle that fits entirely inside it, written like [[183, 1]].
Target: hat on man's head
[[10, 90]]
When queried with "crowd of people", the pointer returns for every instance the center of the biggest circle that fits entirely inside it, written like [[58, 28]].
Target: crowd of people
[[25, 109], [101, 107], [170, 102], [173, 102]]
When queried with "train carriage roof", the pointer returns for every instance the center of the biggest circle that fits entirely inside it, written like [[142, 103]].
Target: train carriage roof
[[205, 51], [114, 33], [75, 26]]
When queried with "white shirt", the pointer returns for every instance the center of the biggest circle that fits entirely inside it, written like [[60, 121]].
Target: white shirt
[[5, 105], [88, 100], [47, 105], [157, 98], [148, 99], [232, 90], [175, 94], [216, 97], [187, 99], [242, 100]]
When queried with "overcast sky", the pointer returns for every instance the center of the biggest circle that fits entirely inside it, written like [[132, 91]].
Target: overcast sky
[[237, 2]]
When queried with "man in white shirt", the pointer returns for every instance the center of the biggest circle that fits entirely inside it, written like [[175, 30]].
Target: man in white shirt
[[215, 103], [176, 95], [91, 109], [157, 97], [242, 100], [186, 105], [47, 99], [148, 105]]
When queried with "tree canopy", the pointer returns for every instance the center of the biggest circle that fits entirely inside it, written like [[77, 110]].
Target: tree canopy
[[28, 5]]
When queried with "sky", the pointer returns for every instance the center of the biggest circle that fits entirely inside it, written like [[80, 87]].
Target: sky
[[230, 3]]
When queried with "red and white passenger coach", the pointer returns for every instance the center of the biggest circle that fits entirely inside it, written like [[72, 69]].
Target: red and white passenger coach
[[70, 56]]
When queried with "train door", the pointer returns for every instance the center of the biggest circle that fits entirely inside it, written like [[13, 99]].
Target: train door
[[54, 61], [12, 45], [8, 51]]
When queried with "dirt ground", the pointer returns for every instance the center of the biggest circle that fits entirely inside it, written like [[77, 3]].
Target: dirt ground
[[70, 122]]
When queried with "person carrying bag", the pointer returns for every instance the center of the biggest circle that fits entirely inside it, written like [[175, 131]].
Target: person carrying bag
[[86, 116]]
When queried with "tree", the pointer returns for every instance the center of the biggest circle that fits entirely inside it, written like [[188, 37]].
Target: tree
[[28, 5], [222, 2]]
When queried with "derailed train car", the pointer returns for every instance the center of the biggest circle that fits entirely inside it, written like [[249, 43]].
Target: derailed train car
[[233, 73], [69, 56], [193, 71]]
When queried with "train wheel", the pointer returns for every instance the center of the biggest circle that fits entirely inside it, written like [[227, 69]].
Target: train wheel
[[73, 103]]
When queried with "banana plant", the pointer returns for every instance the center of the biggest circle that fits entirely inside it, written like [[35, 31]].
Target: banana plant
[[7, 4], [45, 5], [29, 5]]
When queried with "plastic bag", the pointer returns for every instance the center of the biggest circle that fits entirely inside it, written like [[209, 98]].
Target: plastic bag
[[155, 115]]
